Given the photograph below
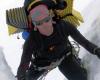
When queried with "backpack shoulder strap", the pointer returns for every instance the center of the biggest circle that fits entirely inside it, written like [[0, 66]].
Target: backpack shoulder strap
[[60, 28], [62, 33]]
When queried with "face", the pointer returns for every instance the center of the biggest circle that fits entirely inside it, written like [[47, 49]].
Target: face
[[40, 17]]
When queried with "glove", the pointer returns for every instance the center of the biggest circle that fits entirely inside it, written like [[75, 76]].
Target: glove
[[97, 52], [21, 73]]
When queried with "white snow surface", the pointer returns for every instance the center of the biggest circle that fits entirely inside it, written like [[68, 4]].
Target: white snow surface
[[11, 47], [5, 70]]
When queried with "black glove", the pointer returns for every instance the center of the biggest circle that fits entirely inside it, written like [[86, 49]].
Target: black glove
[[21, 73], [97, 52]]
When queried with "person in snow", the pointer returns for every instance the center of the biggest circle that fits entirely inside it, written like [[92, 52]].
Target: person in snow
[[48, 46]]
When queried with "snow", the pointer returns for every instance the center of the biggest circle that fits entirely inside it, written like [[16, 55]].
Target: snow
[[5, 70], [91, 62], [91, 30], [11, 47]]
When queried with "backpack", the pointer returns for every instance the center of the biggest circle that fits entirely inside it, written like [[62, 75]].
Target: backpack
[[17, 18]]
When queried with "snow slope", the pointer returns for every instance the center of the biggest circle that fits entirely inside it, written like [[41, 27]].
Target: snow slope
[[91, 62], [5, 70], [91, 30]]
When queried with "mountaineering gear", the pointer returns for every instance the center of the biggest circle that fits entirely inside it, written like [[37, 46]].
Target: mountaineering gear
[[35, 73], [61, 4], [21, 73], [25, 35], [17, 18], [38, 23], [67, 14]]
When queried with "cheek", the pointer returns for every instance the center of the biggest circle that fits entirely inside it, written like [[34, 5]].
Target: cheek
[[47, 24], [50, 23]]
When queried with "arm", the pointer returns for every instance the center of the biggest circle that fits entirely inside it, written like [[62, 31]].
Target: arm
[[28, 49], [77, 36]]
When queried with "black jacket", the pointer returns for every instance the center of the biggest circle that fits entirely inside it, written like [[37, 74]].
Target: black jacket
[[35, 39]]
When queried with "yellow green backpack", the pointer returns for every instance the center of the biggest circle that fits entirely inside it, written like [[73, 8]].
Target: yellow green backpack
[[70, 14], [17, 18]]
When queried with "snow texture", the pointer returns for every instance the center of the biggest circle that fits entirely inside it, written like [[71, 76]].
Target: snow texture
[[5, 70], [91, 30]]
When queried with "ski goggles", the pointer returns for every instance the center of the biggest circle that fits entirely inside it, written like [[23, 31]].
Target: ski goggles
[[45, 20]]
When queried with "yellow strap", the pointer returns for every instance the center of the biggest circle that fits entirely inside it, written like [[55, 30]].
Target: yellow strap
[[77, 15], [75, 18], [11, 29]]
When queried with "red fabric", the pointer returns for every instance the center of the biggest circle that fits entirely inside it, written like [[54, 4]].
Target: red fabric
[[24, 66]]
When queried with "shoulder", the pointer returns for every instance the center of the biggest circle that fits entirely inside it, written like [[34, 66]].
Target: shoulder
[[65, 25]]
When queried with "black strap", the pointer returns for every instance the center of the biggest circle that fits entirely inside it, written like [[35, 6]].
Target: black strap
[[39, 42], [62, 33]]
